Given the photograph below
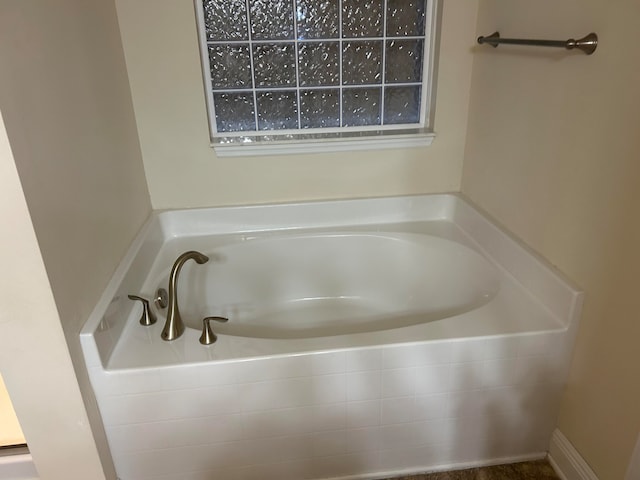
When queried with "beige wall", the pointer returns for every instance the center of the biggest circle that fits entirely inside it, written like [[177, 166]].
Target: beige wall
[[67, 108], [553, 152], [162, 53], [34, 359]]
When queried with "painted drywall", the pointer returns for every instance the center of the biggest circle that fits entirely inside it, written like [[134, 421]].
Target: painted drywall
[[34, 359], [162, 55], [67, 107], [552, 152]]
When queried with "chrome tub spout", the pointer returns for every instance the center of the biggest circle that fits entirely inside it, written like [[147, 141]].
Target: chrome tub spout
[[174, 326]]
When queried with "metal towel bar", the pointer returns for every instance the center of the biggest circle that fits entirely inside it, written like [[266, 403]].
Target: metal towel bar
[[587, 44]]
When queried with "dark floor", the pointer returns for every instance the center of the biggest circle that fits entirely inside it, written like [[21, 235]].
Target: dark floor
[[536, 470]]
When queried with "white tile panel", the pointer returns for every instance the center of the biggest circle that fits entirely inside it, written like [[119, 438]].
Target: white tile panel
[[399, 410], [329, 388], [363, 439], [501, 347], [272, 423], [500, 373], [262, 370], [422, 458], [411, 434], [363, 385], [363, 414], [432, 379], [360, 360], [402, 356], [399, 382], [293, 392], [466, 376], [431, 407], [471, 350], [326, 363], [332, 442]]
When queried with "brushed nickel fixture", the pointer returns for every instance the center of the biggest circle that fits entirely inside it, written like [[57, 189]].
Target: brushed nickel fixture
[[148, 317], [587, 44], [174, 326], [208, 337], [162, 299]]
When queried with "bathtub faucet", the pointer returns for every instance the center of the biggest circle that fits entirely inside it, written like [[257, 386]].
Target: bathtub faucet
[[174, 326]]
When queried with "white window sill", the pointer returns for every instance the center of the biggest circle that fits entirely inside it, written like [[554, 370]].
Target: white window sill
[[323, 146]]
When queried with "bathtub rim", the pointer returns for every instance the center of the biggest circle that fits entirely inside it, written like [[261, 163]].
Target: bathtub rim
[[544, 281]]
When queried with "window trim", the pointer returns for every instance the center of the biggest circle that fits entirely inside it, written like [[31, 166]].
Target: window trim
[[339, 138]]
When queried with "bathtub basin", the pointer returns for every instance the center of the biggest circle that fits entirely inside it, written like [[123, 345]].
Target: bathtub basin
[[326, 284]]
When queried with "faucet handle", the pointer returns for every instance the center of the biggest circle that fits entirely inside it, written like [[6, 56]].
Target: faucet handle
[[208, 337], [148, 317]]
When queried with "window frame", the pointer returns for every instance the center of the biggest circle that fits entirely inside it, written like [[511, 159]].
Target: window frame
[[329, 139]]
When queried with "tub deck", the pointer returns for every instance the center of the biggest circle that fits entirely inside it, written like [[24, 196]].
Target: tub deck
[[512, 311]]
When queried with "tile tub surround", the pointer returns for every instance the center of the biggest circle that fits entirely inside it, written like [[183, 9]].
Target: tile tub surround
[[359, 411]]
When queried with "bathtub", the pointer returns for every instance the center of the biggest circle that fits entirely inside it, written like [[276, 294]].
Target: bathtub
[[366, 338]]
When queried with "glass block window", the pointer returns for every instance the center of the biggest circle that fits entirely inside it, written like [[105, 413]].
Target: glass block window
[[309, 69]]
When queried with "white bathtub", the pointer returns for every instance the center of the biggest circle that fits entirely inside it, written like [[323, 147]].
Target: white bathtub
[[365, 338]]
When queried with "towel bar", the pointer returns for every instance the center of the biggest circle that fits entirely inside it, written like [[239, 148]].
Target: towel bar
[[587, 44]]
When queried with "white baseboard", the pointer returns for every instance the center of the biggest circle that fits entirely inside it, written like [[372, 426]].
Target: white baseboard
[[566, 461]]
